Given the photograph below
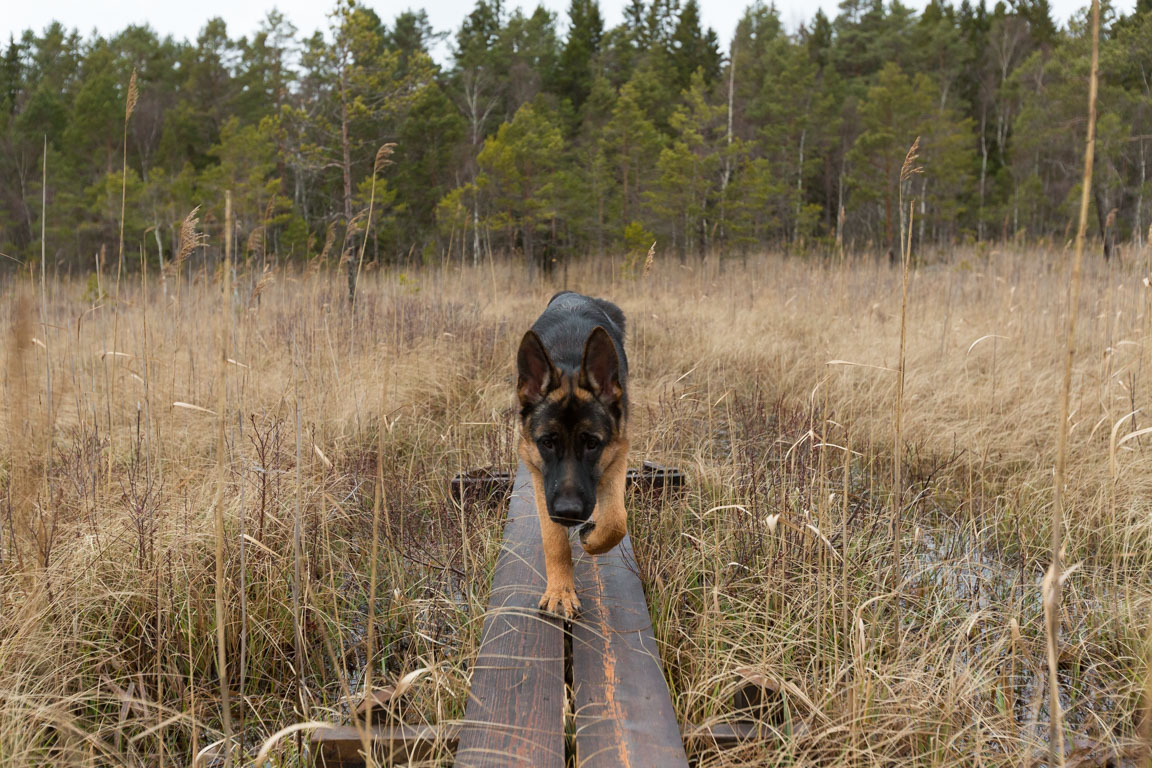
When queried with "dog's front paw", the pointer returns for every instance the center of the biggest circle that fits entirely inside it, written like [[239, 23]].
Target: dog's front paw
[[561, 600], [599, 537]]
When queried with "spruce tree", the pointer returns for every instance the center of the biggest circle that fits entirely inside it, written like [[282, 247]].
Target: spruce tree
[[576, 67], [691, 49]]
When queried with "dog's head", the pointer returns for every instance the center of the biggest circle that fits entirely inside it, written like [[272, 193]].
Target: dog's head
[[572, 420]]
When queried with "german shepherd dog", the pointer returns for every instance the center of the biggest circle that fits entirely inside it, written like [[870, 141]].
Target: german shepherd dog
[[573, 393]]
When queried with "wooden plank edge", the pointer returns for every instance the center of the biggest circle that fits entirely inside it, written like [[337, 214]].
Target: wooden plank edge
[[620, 692], [515, 709], [477, 484], [339, 746], [698, 738]]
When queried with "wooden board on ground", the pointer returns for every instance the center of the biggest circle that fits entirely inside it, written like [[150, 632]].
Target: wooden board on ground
[[623, 711], [487, 482], [515, 710], [342, 747]]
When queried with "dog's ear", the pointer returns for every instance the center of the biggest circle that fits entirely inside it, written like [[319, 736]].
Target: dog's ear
[[600, 369], [537, 375]]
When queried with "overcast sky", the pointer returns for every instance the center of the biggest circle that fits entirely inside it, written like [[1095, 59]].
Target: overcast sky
[[184, 19]]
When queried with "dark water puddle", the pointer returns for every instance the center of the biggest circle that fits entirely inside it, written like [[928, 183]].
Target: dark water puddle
[[984, 593]]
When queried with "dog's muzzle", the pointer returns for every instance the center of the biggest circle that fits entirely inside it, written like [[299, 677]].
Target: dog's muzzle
[[569, 511]]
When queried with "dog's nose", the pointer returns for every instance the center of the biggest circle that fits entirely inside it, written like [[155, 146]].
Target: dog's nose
[[568, 510]]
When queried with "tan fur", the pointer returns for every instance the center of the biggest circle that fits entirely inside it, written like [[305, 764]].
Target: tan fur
[[610, 518], [560, 590], [563, 391]]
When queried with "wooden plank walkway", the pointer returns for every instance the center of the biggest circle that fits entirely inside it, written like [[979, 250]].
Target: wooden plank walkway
[[515, 711], [623, 712]]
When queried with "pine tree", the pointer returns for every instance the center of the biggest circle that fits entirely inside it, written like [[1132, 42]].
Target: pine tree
[[362, 94], [265, 73], [631, 146], [576, 67], [799, 114], [411, 37], [428, 143], [628, 43], [478, 35], [518, 175], [1126, 56], [691, 50], [527, 51], [686, 194], [894, 112], [897, 110], [756, 32]]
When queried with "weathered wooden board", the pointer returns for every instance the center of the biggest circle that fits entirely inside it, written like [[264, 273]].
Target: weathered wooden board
[[515, 710], [623, 712], [721, 736], [341, 747], [486, 482]]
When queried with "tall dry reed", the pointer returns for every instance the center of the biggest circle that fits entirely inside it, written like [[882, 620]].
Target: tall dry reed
[[221, 480], [1053, 581]]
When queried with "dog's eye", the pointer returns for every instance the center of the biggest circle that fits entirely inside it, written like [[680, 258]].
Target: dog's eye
[[548, 442], [591, 442]]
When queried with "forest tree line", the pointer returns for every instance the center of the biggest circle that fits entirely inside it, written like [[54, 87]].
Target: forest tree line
[[547, 136]]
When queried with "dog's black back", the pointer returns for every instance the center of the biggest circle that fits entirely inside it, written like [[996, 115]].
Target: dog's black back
[[567, 321]]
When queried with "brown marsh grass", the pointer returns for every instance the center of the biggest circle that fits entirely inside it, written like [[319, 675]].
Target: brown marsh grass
[[771, 381]]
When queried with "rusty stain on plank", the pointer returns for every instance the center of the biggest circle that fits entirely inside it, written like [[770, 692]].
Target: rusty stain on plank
[[608, 671], [623, 712]]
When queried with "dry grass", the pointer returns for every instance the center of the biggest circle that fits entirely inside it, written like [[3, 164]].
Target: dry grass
[[772, 383]]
